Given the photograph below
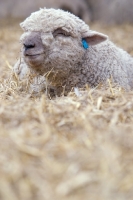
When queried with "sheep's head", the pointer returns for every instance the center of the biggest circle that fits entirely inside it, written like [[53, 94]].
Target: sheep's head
[[53, 40]]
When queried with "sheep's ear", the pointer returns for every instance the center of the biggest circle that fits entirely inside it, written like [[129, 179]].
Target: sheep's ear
[[93, 37]]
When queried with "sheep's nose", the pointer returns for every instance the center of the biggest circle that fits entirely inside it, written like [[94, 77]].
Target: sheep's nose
[[29, 46]]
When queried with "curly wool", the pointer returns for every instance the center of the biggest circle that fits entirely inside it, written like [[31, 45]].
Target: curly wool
[[52, 19], [68, 63]]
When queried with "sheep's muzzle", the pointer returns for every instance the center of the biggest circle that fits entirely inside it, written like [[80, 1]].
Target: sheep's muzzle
[[33, 49]]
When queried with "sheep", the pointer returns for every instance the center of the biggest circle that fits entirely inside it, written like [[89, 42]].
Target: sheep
[[62, 53]]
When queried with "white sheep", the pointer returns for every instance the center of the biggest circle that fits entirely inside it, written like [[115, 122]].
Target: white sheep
[[61, 52]]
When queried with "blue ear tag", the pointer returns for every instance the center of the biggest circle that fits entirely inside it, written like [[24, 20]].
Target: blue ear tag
[[85, 44]]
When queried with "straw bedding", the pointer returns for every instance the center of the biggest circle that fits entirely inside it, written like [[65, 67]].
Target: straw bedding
[[75, 147]]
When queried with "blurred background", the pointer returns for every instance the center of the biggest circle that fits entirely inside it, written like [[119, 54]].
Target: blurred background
[[106, 11]]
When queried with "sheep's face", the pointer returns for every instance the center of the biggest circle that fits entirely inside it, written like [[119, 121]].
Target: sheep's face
[[52, 41], [55, 50]]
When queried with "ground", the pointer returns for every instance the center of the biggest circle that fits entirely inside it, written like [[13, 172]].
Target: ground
[[75, 147]]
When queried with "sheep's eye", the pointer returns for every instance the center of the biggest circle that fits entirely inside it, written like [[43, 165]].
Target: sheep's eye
[[61, 32]]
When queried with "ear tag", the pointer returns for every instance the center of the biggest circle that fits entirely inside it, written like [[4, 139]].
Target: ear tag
[[85, 44]]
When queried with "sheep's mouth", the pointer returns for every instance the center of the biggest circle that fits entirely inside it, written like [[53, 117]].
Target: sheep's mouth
[[33, 55], [34, 59]]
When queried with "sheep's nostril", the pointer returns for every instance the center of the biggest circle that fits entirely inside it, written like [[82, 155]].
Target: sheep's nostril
[[29, 46]]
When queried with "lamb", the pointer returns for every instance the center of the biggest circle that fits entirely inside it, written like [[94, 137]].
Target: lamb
[[61, 52]]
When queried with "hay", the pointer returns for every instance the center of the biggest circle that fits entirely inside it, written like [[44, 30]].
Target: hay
[[75, 147]]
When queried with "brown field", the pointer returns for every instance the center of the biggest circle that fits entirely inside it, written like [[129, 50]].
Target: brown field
[[74, 147]]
